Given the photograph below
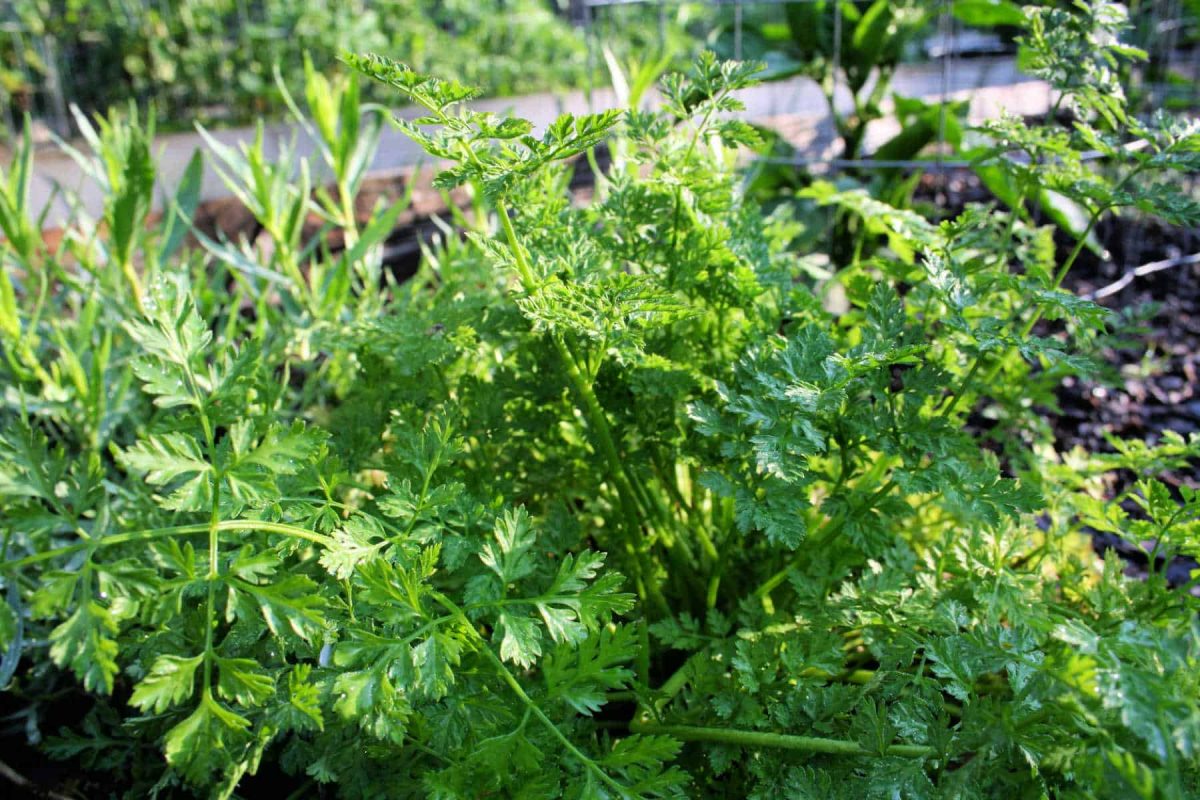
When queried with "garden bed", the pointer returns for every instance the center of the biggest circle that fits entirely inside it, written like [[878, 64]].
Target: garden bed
[[605, 501]]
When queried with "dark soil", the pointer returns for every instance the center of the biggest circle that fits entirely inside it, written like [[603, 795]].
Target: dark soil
[[1161, 389], [1160, 386], [1160, 370], [1158, 383]]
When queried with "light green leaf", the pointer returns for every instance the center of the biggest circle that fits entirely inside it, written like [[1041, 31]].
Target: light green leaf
[[167, 458], [171, 680], [254, 467], [358, 540], [434, 661], [286, 604], [582, 675], [173, 339], [304, 698], [986, 13], [84, 643], [282, 451], [369, 697], [243, 681], [508, 556], [206, 742], [181, 209], [521, 642], [572, 606]]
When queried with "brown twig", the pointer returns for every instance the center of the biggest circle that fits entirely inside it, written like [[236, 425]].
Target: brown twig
[[1138, 272], [19, 780]]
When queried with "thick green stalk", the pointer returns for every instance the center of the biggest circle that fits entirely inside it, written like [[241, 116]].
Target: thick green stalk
[[674, 684], [129, 271], [210, 606], [524, 270], [597, 423], [349, 219], [780, 741], [629, 496], [214, 567], [151, 534]]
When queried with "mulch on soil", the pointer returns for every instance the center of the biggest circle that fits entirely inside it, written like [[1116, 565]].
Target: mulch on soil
[[1158, 388], [1161, 390]]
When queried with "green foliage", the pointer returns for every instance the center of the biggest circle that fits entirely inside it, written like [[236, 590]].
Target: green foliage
[[857, 47], [845, 44], [600, 504], [213, 60]]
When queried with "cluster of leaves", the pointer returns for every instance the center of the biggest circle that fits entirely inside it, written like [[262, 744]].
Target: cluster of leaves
[[847, 44], [855, 47], [1077, 48], [602, 504]]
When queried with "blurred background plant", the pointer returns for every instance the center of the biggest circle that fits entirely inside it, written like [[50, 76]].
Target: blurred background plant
[[211, 60]]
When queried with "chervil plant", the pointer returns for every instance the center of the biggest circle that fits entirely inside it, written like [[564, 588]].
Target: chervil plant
[[600, 504]]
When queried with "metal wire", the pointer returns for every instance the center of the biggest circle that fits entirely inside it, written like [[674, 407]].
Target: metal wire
[[1165, 13], [737, 30], [50, 91], [588, 20], [609, 3], [946, 27]]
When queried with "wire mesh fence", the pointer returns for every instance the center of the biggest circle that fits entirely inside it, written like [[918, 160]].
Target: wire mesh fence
[[943, 65], [1164, 28], [203, 59]]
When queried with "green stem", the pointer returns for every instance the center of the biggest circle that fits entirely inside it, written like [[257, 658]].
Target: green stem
[[135, 285], [822, 537], [1027, 328], [674, 237], [177, 530], [1063, 270], [349, 218], [423, 495], [519, 691], [524, 270], [210, 605], [710, 592], [957, 393], [291, 268], [303, 791], [643, 655], [782, 741], [214, 564], [674, 684], [597, 423]]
